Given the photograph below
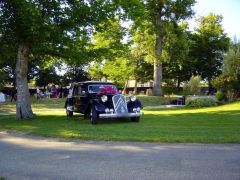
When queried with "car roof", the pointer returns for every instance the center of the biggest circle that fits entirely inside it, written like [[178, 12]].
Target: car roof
[[92, 82]]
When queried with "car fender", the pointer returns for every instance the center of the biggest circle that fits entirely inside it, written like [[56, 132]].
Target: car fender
[[135, 104], [99, 106]]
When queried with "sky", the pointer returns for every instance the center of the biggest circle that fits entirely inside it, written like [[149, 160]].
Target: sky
[[229, 9]]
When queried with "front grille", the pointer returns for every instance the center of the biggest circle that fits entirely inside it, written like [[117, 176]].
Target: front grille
[[119, 103]]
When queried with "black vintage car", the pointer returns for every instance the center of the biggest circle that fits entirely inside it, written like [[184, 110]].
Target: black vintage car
[[100, 100]]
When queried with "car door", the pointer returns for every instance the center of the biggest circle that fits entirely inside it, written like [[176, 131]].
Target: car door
[[76, 99], [81, 99], [84, 99]]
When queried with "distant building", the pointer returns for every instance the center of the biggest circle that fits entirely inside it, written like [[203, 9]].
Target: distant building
[[131, 83]]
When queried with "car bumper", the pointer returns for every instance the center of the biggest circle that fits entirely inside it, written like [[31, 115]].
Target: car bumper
[[125, 115]]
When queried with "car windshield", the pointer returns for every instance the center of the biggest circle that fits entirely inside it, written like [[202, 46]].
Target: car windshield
[[97, 88]]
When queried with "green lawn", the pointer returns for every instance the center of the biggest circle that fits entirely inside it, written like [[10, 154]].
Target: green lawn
[[205, 125]]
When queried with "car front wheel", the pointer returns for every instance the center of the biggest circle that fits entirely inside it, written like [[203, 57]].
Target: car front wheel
[[135, 119], [94, 115]]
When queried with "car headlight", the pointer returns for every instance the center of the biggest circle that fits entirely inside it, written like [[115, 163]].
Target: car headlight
[[104, 98], [133, 98]]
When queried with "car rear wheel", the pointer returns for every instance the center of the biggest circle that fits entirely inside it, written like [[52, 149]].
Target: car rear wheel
[[135, 119], [94, 115]]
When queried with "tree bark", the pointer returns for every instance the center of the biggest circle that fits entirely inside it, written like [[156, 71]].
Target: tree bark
[[178, 84], [157, 78], [23, 105], [135, 87], [157, 66], [125, 88], [210, 88]]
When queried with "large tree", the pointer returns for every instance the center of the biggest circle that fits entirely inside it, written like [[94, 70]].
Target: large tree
[[208, 45], [42, 28], [157, 16], [163, 14]]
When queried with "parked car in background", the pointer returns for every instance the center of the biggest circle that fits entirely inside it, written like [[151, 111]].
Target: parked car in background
[[101, 100]]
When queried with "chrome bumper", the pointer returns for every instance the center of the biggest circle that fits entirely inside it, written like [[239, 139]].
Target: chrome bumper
[[122, 115]]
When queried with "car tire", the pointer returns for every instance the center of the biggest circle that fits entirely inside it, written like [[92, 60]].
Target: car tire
[[69, 113], [135, 119], [94, 115]]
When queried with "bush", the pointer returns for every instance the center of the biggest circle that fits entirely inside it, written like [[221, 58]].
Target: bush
[[201, 102], [169, 86], [228, 84], [220, 96], [193, 86]]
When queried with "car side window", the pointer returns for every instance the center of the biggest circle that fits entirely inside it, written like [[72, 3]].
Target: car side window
[[83, 91], [79, 91]]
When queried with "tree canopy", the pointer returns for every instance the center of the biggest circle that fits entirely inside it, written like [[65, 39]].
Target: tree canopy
[[41, 30], [209, 44]]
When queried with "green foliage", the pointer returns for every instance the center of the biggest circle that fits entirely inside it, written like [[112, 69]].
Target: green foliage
[[143, 44], [177, 45], [95, 71], [2, 78], [52, 30], [112, 62], [169, 86], [46, 76], [1, 86], [228, 84], [231, 62], [74, 74], [220, 96], [109, 43], [208, 46], [193, 86], [224, 82], [201, 102], [118, 71], [156, 19], [142, 54]]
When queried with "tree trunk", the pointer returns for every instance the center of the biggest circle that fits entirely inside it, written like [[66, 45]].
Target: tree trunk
[[178, 84], [135, 87], [210, 88], [125, 88], [23, 106], [157, 78], [157, 70]]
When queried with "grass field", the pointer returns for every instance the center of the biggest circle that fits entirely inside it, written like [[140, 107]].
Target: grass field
[[204, 125]]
